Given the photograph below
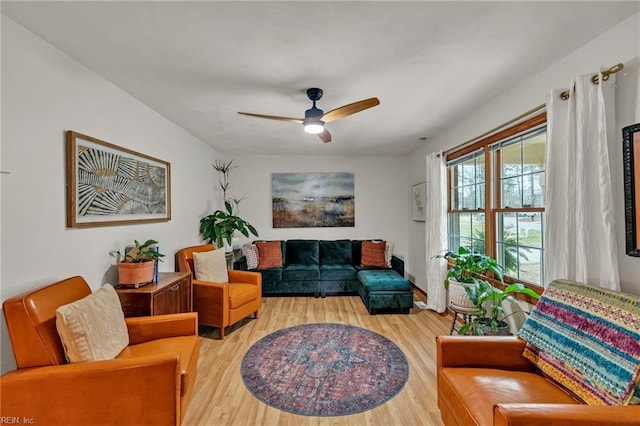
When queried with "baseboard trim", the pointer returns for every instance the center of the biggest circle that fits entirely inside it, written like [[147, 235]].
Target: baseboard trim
[[418, 289]]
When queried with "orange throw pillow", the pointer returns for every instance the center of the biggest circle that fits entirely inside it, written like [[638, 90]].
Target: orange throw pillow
[[269, 254], [373, 254]]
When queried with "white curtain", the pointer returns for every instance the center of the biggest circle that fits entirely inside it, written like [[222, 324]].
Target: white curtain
[[436, 231], [580, 230]]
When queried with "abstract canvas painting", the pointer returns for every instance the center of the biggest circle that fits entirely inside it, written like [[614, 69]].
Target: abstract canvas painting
[[313, 200]]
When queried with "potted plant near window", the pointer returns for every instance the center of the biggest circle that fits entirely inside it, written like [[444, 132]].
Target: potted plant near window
[[488, 300], [467, 270], [220, 226], [137, 266]]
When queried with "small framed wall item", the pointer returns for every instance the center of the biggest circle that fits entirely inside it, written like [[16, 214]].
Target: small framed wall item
[[111, 185], [631, 162], [418, 196]]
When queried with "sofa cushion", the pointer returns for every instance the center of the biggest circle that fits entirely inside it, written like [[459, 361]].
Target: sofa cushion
[[337, 272], [211, 266], [473, 392], [271, 275], [388, 252], [356, 252], [373, 254], [93, 328], [301, 272], [337, 252], [250, 252], [586, 338], [383, 280], [302, 252], [269, 254], [241, 293], [185, 347]]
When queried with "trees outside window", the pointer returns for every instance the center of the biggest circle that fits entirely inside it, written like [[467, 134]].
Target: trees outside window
[[496, 199]]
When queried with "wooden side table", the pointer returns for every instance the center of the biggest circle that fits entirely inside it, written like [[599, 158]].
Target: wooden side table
[[232, 256], [170, 295], [467, 315]]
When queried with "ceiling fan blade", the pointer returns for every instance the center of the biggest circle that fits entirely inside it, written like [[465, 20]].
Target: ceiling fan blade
[[274, 117], [346, 110], [325, 136]]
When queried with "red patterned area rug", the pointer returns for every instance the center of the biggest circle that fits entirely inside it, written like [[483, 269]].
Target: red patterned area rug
[[324, 369]]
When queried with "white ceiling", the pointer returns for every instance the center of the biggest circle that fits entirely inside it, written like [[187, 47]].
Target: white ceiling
[[429, 63]]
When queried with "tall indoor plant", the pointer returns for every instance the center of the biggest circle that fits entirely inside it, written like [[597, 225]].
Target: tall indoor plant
[[221, 226], [488, 301], [224, 168], [468, 268]]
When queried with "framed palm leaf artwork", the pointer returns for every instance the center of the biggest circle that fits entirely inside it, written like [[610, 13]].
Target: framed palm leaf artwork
[[111, 185]]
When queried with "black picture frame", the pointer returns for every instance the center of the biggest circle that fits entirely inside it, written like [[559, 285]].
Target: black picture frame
[[631, 162]]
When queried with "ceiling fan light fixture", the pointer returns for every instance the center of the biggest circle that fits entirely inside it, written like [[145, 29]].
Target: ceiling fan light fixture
[[314, 127], [315, 118]]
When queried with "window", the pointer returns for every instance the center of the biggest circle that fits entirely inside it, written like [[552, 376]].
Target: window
[[467, 200], [496, 199]]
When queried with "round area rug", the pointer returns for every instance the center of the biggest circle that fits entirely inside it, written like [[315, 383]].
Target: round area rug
[[324, 369]]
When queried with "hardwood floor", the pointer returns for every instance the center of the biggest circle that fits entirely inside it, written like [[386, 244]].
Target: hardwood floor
[[220, 397]]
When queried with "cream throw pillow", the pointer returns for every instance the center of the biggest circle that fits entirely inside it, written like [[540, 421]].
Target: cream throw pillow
[[211, 266], [93, 328]]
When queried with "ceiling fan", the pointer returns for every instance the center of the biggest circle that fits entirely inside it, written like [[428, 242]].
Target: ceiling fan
[[315, 118]]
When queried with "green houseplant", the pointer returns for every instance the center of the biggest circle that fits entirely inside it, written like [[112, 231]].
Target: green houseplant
[[488, 301], [143, 252], [138, 265], [220, 226], [468, 268]]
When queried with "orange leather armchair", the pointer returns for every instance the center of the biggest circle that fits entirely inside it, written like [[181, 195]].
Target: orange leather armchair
[[486, 381], [222, 304], [149, 382]]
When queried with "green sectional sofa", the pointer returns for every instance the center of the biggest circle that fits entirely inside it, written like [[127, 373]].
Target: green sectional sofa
[[322, 267]]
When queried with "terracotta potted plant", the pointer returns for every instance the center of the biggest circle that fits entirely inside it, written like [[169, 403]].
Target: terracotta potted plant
[[467, 269], [138, 265]]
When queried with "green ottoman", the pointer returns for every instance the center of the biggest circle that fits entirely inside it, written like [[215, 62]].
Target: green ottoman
[[384, 290]]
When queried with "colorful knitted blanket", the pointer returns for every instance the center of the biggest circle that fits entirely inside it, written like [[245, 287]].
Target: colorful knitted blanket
[[587, 339]]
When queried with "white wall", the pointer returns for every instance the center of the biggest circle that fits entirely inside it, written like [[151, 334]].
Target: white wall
[[381, 196], [627, 113], [619, 44], [45, 93]]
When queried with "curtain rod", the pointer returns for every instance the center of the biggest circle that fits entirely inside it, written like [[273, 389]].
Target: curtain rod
[[564, 96], [596, 79], [495, 129]]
